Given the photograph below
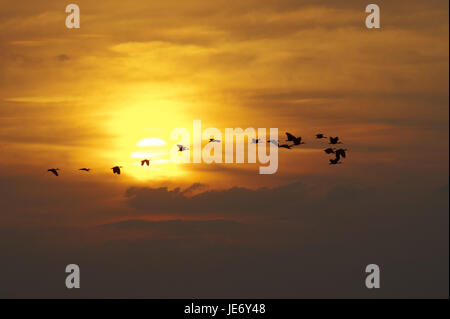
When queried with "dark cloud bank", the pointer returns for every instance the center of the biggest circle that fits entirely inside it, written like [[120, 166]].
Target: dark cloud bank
[[281, 242]]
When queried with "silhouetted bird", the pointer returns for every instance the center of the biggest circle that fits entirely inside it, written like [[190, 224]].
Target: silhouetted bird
[[116, 169], [85, 169], [335, 140], [320, 136], [274, 142], [285, 146], [145, 161], [296, 140], [54, 171], [181, 148], [255, 140], [290, 137], [340, 152], [213, 140], [329, 151], [334, 161]]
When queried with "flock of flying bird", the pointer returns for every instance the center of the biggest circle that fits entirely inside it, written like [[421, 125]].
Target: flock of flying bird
[[338, 152], [296, 141]]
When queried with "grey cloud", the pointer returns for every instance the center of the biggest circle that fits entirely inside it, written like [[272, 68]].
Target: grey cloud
[[341, 202], [234, 201], [320, 253]]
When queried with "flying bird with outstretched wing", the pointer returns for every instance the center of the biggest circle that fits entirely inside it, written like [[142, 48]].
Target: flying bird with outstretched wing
[[290, 137], [334, 161], [294, 139], [145, 162], [54, 171], [256, 140], [341, 152], [181, 148], [116, 169], [334, 140]]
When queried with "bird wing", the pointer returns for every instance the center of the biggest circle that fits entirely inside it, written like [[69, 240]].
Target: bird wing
[[290, 136], [340, 152]]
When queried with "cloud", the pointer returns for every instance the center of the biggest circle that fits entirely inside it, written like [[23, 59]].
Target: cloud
[[193, 188], [320, 254], [311, 246], [234, 201], [338, 203]]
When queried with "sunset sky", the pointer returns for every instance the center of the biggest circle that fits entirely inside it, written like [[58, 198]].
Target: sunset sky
[[136, 70]]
